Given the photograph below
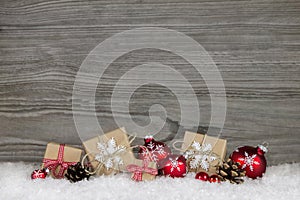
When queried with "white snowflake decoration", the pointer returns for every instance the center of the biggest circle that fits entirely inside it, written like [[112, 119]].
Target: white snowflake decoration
[[154, 151], [200, 155], [174, 164], [109, 153], [249, 161]]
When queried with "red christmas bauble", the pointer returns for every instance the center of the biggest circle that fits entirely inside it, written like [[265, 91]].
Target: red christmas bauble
[[214, 179], [251, 159], [39, 174], [156, 151], [203, 176], [174, 166]]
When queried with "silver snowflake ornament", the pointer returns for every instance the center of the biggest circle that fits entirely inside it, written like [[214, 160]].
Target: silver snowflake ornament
[[249, 161], [200, 155], [175, 164], [109, 153]]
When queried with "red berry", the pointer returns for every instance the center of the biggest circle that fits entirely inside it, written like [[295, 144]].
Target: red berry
[[214, 179], [202, 176]]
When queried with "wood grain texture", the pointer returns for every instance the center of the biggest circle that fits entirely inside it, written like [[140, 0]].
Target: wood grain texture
[[255, 44]]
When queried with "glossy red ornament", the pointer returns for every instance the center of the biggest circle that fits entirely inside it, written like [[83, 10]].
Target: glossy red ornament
[[39, 174], [156, 151], [203, 176], [214, 179], [174, 166], [251, 159]]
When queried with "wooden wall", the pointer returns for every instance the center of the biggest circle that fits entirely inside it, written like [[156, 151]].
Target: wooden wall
[[255, 44]]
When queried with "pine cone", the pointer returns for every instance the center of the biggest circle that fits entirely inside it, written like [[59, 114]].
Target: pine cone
[[77, 173], [230, 171]]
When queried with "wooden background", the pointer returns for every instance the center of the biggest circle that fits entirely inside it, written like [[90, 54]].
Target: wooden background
[[255, 44]]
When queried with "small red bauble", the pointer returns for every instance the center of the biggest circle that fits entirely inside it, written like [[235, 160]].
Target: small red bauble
[[39, 174], [251, 159], [202, 176], [214, 179], [156, 151], [174, 166]]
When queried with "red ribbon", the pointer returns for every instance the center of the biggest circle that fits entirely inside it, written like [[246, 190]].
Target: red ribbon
[[138, 171], [53, 164]]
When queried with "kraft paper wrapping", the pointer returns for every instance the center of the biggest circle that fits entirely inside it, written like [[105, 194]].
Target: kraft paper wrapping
[[218, 148], [121, 138], [145, 176], [71, 154]]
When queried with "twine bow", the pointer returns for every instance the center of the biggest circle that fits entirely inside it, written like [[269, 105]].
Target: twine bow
[[53, 164], [138, 171]]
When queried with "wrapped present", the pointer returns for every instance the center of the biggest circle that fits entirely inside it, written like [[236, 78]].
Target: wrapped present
[[109, 153], [142, 170], [203, 152], [58, 157]]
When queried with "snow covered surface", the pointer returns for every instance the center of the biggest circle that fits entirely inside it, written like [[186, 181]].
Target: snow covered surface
[[280, 182]]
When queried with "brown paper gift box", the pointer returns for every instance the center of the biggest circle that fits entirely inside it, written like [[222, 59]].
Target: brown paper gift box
[[121, 138], [219, 148], [70, 154], [145, 176]]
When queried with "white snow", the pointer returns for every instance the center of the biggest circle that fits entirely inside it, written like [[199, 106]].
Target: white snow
[[280, 182]]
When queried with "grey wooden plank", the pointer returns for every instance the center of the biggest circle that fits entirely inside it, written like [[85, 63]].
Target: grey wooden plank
[[255, 44]]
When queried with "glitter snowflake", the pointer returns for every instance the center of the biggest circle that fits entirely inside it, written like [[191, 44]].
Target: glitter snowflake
[[249, 161], [200, 155], [109, 153]]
